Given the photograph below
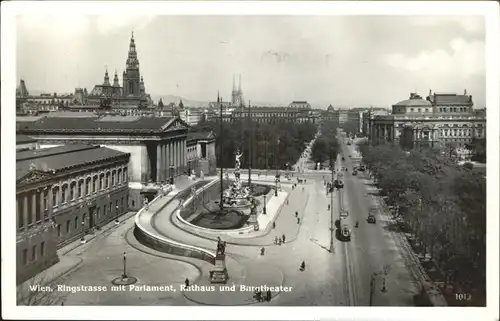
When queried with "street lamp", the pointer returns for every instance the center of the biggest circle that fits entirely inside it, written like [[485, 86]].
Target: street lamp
[[264, 209], [83, 232], [124, 275], [116, 220]]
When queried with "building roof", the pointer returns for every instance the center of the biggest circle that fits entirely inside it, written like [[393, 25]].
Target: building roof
[[200, 135], [70, 114], [415, 100], [23, 139], [445, 99], [106, 123], [61, 158]]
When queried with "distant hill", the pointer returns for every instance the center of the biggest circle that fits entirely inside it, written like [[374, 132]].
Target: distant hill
[[167, 99]]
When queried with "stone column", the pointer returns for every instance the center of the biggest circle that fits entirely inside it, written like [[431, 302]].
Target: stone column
[[42, 206], [33, 207], [161, 169], [51, 205], [176, 157], [184, 160], [25, 211], [158, 162], [170, 157], [165, 160]]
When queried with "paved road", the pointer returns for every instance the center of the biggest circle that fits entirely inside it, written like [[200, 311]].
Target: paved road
[[341, 278], [372, 245]]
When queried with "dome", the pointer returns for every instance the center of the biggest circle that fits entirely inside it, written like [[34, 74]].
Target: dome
[[414, 103]]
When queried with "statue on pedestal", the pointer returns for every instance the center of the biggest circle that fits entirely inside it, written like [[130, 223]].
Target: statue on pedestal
[[221, 247], [237, 164]]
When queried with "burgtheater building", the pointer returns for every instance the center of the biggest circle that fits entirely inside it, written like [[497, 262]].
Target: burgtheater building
[[157, 145], [439, 119], [63, 193]]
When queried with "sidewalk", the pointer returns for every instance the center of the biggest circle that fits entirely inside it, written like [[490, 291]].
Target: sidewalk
[[67, 261]]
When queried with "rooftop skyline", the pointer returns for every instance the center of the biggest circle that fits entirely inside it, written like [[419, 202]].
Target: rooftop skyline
[[338, 60]]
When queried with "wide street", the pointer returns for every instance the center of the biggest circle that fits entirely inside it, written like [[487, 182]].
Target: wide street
[[337, 273]]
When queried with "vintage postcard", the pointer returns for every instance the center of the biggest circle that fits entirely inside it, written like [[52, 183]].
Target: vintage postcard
[[327, 156]]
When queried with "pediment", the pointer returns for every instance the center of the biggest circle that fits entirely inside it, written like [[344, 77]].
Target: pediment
[[175, 124], [34, 176]]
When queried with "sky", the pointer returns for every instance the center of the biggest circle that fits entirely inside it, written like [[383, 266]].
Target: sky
[[345, 61]]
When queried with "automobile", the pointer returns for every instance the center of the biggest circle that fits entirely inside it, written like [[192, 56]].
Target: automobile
[[345, 232], [371, 219], [362, 168], [354, 172], [343, 158]]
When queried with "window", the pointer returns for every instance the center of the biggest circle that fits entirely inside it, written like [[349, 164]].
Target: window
[[117, 209], [72, 191], [59, 230], [84, 219], [76, 223], [33, 253], [110, 207], [67, 226], [119, 176], [63, 193], [25, 256], [133, 204], [101, 181], [55, 191], [87, 186], [80, 185], [42, 249], [113, 174], [411, 109], [107, 180], [125, 175], [94, 185], [45, 201], [98, 213]]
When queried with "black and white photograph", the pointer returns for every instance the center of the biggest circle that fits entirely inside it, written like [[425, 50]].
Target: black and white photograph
[[242, 154]]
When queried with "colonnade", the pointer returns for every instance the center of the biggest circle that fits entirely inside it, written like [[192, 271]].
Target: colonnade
[[171, 158], [383, 132]]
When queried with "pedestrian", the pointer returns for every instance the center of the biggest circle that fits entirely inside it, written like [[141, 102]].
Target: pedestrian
[[274, 225], [268, 295], [287, 201], [298, 220], [296, 214], [186, 282], [279, 241], [283, 237], [276, 240]]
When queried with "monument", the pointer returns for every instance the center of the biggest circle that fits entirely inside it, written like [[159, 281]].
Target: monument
[[252, 219], [219, 273], [235, 194]]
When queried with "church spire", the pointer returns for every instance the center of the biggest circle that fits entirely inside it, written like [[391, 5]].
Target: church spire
[[132, 61], [234, 82], [239, 84], [106, 78], [115, 80]]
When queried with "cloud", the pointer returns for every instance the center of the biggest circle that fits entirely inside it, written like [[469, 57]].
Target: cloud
[[462, 59], [54, 26]]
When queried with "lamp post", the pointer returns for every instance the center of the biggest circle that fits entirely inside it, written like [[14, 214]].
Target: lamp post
[[172, 174], [221, 204], [124, 275], [264, 209], [332, 229], [116, 220], [372, 287], [83, 232]]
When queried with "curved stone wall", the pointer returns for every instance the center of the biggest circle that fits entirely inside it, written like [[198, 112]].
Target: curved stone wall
[[149, 237]]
